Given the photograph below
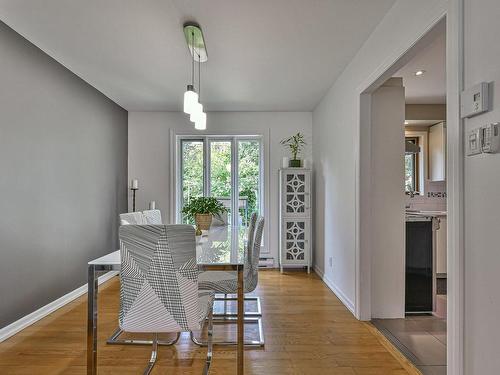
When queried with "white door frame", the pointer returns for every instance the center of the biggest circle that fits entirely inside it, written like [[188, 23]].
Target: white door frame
[[453, 13]]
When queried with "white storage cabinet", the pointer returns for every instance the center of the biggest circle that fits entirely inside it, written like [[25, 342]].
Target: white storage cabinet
[[295, 217]]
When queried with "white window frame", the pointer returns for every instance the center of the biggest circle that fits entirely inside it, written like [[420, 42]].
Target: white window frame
[[423, 142], [207, 139]]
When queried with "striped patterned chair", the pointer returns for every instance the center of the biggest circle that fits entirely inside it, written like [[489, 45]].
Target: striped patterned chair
[[132, 218], [152, 217], [223, 282], [159, 284]]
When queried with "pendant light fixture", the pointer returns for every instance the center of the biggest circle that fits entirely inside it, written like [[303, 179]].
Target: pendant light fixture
[[190, 96], [200, 121], [196, 45], [190, 99], [197, 110]]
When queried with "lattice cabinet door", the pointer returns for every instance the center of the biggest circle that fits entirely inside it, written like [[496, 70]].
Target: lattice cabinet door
[[295, 217], [296, 242], [296, 193]]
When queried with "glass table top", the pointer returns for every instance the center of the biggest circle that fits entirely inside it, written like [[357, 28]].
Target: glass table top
[[220, 245]]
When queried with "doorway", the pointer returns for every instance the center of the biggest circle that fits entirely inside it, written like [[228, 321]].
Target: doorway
[[423, 182], [420, 333]]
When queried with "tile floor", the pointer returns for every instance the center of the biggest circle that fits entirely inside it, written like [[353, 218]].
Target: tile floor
[[422, 339]]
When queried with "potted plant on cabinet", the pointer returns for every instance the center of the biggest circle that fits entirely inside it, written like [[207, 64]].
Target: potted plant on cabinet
[[202, 209], [294, 144]]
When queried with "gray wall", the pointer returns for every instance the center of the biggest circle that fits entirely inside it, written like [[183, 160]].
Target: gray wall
[[63, 177]]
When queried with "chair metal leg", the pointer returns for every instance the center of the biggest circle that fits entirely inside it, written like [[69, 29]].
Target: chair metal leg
[[114, 340], [257, 313], [154, 355], [210, 332], [259, 343], [225, 303]]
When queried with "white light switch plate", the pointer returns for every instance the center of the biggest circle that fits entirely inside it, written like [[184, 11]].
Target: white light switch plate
[[473, 142]]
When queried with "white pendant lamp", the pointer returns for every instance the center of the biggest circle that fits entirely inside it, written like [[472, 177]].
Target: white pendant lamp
[[192, 105], [190, 100], [201, 121], [197, 111]]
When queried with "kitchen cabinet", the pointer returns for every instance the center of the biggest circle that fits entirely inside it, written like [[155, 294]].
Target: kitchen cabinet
[[419, 264], [437, 152]]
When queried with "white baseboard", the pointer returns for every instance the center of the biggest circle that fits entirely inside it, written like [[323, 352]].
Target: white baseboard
[[42, 312], [340, 295]]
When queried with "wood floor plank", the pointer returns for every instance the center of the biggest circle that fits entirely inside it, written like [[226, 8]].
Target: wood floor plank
[[308, 331]]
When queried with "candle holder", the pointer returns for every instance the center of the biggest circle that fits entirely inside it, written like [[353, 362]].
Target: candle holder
[[133, 197]]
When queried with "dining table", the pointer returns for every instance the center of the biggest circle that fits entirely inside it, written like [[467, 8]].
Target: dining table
[[221, 248]]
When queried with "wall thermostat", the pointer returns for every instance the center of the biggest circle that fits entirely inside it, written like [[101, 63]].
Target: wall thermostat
[[475, 100]]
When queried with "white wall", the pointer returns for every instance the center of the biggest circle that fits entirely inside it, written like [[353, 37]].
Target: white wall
[[149, 151], [335, 137], [388, 197], [482, 198]]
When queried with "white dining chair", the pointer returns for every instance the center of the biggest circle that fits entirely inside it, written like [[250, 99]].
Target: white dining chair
[[152, 216], [132, 218], [159, 289], [222, 282]]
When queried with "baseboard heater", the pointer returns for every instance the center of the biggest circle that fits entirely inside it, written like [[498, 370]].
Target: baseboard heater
[[266, 263]]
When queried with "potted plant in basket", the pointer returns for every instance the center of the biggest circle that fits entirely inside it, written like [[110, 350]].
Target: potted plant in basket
[[294, 144], [202, 209]]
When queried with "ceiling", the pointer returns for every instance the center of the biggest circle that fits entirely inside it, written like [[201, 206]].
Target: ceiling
[[429, 88], [263, 55]]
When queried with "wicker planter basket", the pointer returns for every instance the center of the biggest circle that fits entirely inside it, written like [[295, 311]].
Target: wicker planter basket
[[203, 221]]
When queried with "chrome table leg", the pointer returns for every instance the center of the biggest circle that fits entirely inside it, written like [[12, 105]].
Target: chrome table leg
[[241, 322], [92, 321]]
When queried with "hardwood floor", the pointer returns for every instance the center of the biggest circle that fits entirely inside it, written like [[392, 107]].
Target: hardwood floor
[[307, 331]]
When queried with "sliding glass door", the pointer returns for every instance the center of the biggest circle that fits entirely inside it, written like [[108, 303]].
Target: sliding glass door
[[220, 174], [192, 168], [228, 168], [249, 179]]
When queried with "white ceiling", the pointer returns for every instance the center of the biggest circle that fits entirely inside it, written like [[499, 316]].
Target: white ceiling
[[263, 54], [431, 87]]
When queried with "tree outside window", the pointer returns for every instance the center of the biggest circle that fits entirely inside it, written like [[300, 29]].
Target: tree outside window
[[412, 183]]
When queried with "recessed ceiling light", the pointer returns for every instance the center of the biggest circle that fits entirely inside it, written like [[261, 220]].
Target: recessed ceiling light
[[419, 73]]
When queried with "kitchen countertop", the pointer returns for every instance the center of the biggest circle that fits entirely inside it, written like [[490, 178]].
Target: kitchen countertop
[[426, 213]]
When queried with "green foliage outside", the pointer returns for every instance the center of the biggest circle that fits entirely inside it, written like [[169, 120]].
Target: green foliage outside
[[220, 182], [409, 173]]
